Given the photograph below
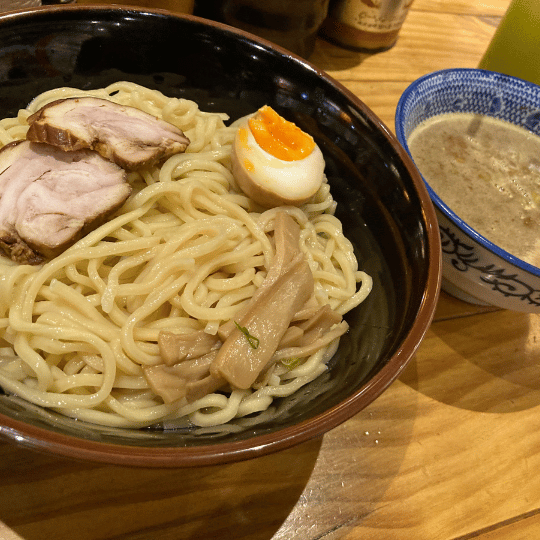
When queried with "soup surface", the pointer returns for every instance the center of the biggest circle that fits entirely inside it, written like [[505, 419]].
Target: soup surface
[[488, 172]]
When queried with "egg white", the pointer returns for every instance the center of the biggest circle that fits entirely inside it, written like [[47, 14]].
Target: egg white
[[272, 181]]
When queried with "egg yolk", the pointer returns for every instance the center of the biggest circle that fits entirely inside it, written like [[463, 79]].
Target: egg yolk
[[279, 137]]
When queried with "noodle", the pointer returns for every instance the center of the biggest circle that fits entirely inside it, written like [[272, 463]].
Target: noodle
[[185, 252]]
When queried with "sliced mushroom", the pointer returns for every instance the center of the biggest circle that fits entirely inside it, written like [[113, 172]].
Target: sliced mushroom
[[190, 379], [175, 348], [250, 346]]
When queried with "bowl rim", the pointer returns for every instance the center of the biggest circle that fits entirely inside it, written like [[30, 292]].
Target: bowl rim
[[440, 205], [39, 438]]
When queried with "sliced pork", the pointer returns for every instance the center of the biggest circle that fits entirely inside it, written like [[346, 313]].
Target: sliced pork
[[129, 137], [50, 198]]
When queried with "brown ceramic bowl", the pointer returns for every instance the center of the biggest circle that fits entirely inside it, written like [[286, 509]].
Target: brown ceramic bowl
[[382, 202]]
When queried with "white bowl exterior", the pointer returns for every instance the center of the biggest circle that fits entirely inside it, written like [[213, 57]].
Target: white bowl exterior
[[471, 271], [479, 276]]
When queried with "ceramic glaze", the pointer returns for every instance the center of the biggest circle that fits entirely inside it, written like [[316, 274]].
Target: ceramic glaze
[[382, 203]]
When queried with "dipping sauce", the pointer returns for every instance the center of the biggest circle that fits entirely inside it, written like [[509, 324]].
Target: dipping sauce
[[488, 172]]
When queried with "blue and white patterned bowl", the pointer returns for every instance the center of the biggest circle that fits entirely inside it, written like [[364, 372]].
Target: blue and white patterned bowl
[[475, 269]]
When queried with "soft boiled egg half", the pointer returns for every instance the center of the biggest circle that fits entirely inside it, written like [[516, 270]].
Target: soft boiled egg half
[[274, 161]]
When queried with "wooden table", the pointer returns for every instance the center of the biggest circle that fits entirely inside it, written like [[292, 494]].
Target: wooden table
[[450, 451]]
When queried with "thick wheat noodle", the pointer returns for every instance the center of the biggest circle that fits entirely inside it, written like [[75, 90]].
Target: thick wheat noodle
[[185, 252]]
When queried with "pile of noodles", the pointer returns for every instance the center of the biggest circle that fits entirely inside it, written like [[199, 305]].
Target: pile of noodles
[[185, 252]]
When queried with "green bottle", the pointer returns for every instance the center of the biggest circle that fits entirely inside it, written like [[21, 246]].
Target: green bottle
[[515, 47]]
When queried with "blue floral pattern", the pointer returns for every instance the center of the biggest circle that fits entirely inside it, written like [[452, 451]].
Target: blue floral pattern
[[463, 258], [475, 91]]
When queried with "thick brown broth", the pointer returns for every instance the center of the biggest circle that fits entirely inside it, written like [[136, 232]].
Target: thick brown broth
[[488, 172]]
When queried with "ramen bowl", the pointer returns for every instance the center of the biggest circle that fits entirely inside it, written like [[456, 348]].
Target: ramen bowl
[[381, 200], [474, 268]]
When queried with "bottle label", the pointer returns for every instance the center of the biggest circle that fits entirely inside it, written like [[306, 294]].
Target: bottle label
[[372, 15]]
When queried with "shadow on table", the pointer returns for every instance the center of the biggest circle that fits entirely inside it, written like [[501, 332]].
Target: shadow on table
[[321, 488], [486, 362], [353, 482], [43, 496]]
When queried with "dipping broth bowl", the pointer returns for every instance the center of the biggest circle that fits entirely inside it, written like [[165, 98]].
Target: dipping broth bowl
[[474, 269], [381, 200]]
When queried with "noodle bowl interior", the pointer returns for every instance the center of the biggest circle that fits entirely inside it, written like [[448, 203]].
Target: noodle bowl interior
[[187, 254]]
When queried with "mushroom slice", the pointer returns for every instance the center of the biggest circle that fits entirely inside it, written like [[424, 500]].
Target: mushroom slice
[[175, 348], [50, 198], [250, 347], [128, 136], [190, 379]]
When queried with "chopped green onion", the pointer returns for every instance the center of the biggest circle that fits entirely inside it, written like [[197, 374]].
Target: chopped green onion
[[252, 340], [291, 363]]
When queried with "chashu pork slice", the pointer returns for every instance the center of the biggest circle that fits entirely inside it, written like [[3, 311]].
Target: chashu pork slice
[[128, 136], [50, 198]]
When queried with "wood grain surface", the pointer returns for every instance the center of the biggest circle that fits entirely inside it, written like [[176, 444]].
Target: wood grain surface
[[449, 452]]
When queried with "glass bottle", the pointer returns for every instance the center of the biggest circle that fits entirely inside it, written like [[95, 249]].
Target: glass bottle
[[290, 24], [365, 25], [515, 46]]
